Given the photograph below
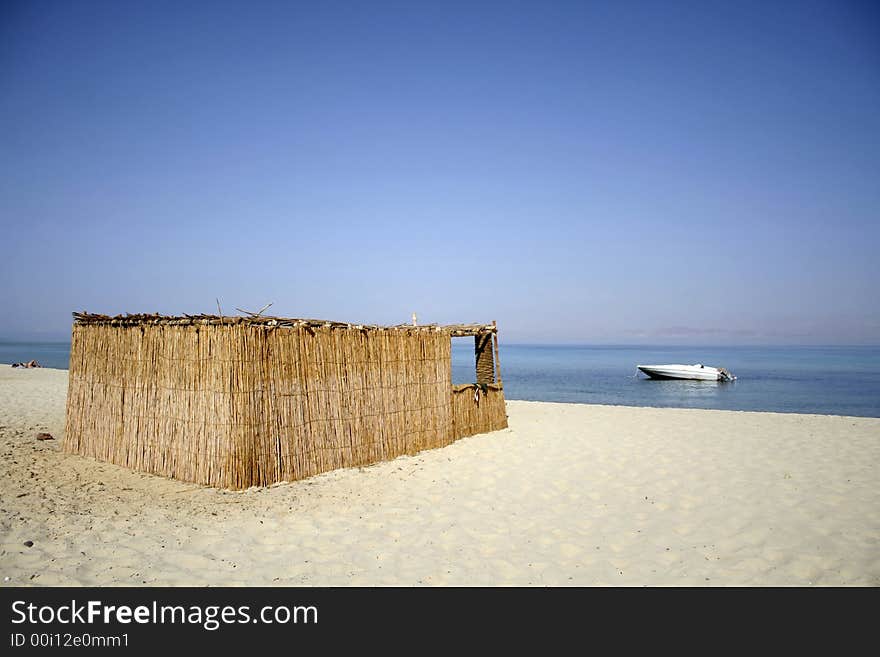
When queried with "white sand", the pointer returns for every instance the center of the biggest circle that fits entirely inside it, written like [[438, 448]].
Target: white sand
[[570, 494]]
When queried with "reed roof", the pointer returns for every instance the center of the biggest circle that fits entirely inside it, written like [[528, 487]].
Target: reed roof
[[143, 319]]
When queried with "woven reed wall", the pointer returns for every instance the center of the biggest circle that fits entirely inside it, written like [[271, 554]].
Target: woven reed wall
[[472, 414], [240, 405], [485, 363]]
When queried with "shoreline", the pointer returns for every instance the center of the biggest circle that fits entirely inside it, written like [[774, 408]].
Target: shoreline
[[698, 410], [575, 403], [570, 494]]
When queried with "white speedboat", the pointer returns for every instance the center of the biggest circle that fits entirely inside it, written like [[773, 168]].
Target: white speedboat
[[697, 372]]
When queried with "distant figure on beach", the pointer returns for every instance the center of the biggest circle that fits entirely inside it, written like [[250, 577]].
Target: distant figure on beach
[[28, 365]]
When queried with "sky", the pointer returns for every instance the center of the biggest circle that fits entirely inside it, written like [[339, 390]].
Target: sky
[[620, 172]]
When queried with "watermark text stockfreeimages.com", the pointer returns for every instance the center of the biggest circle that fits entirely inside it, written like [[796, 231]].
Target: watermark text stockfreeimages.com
[[210, 617]]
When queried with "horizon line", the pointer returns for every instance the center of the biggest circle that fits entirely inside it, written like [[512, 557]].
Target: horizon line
[[568, 343]]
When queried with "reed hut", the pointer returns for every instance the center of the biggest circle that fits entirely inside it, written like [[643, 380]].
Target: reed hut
[[235, 402]]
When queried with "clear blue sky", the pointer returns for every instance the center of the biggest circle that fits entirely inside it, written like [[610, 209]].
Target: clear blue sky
[[587, 172]]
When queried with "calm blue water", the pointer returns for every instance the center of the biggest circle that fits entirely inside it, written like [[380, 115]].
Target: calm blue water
[[47, 354], [827, 380]]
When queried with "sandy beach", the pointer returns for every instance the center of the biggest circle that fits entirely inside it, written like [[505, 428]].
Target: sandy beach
[[570, 494]]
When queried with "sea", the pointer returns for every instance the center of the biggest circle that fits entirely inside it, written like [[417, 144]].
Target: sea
[[823, 380], [801, 379]]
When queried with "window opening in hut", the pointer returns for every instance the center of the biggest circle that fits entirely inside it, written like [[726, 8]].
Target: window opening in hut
[[472, 359], [463, 361]]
